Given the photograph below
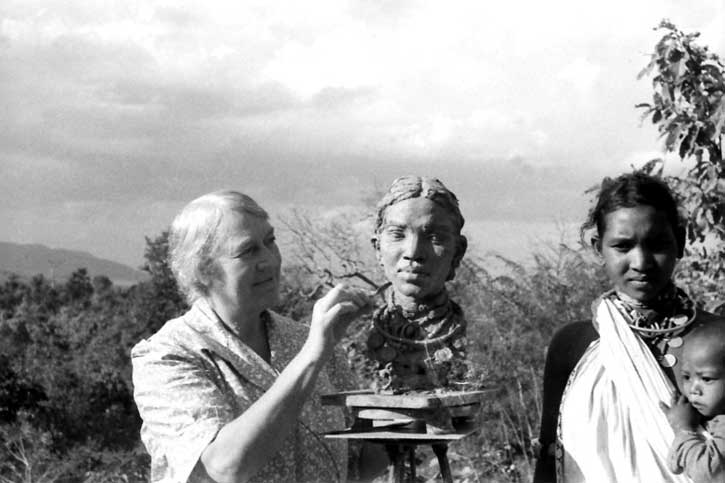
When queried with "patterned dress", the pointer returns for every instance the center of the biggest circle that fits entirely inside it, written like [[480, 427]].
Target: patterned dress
[[195, 375]]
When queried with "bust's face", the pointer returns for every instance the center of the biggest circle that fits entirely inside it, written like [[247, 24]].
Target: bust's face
[[416, 248]]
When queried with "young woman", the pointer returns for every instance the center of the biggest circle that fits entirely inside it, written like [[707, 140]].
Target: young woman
[[605, 379]]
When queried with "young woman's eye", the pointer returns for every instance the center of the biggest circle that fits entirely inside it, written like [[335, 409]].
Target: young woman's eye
[[270, 241], [438, 237]]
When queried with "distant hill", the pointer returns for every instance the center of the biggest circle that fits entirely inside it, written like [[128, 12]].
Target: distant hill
[[29, 260]]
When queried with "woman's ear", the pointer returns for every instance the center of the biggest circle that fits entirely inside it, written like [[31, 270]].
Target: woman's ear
[[207, 273]]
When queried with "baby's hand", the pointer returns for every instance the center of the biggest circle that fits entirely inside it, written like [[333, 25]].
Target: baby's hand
[[681, 415]]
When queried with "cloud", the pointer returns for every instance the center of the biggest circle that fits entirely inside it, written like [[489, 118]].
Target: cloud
[[121, 105]]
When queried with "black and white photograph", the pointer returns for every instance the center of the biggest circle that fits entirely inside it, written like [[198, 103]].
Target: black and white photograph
[[362, 241]]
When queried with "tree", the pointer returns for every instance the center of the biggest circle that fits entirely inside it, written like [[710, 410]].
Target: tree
[[688, 107], [158, 299], [79, 288]]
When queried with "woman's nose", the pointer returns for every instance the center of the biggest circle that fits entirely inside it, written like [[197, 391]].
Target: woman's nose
[[266, 260]]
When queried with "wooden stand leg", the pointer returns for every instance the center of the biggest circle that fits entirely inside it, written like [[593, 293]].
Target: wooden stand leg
[[411, 462], [440, 451], [396, 471]]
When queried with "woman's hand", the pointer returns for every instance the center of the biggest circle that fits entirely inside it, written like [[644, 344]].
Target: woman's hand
[[333, 313], [681, 415]]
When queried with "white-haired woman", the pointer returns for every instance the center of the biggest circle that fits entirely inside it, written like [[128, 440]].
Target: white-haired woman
[[228, 391]]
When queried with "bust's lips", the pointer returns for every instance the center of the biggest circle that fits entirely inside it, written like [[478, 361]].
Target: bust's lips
[[412, 275]]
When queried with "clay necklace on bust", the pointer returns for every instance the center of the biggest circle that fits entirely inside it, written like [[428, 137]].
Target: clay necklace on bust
[[407, 327], [661, 322]]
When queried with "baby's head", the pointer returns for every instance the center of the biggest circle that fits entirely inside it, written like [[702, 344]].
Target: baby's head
[[703, 368]]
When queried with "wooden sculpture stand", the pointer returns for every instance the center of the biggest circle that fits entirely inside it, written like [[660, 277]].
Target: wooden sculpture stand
[[403, 421]]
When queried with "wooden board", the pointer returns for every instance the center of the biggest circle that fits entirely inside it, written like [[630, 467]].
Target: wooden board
[[405, 413], [369, 399], [387, 436]]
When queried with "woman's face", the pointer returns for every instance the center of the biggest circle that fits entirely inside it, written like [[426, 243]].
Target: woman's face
[[248, 266], [640, 251], [416, 247]]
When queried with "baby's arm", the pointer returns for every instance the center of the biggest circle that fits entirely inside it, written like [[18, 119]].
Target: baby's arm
[[702, 458]]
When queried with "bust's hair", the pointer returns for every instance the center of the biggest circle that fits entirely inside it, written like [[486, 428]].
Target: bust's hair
[[407, 187], [194, 238], [628, 191]]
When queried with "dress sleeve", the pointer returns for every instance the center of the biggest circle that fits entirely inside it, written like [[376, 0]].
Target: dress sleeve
[[700, 456], [181, 406]]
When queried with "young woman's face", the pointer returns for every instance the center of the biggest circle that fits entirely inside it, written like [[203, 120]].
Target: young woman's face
[[639, 248]]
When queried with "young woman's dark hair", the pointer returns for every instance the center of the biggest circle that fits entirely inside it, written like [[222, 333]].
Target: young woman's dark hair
[[630, 190]]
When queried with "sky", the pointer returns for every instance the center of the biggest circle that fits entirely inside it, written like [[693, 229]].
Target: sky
[[114, 114]]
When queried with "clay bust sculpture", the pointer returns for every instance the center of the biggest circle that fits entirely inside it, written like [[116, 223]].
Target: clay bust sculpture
[[418, 337]]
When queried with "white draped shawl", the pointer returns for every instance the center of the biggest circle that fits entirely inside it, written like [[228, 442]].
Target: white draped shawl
[[611, 428]]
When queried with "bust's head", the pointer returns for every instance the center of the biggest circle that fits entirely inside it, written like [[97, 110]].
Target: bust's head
[[418, 239]]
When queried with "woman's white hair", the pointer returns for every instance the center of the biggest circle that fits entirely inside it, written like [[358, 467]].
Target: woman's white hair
[[194, 238]]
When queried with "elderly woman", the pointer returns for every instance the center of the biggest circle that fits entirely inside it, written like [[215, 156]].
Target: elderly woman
[[605, 379], [228, 391], [417, 339]]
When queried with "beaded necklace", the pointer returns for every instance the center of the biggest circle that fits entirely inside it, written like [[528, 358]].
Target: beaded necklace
[[431, 335], [661, 322], [426, 326]]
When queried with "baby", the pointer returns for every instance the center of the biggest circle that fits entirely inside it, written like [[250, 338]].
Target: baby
[[700, 454]]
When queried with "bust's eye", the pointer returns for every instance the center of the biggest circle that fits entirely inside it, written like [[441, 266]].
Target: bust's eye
[[395, 233], [622, 246]]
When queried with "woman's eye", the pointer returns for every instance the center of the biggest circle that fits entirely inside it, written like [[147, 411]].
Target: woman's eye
[[247, 252], [271, 241]]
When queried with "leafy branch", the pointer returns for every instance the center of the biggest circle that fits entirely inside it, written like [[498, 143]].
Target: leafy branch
[[688, 107]]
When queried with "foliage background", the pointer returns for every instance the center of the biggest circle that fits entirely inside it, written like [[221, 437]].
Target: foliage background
[[66, 405]]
